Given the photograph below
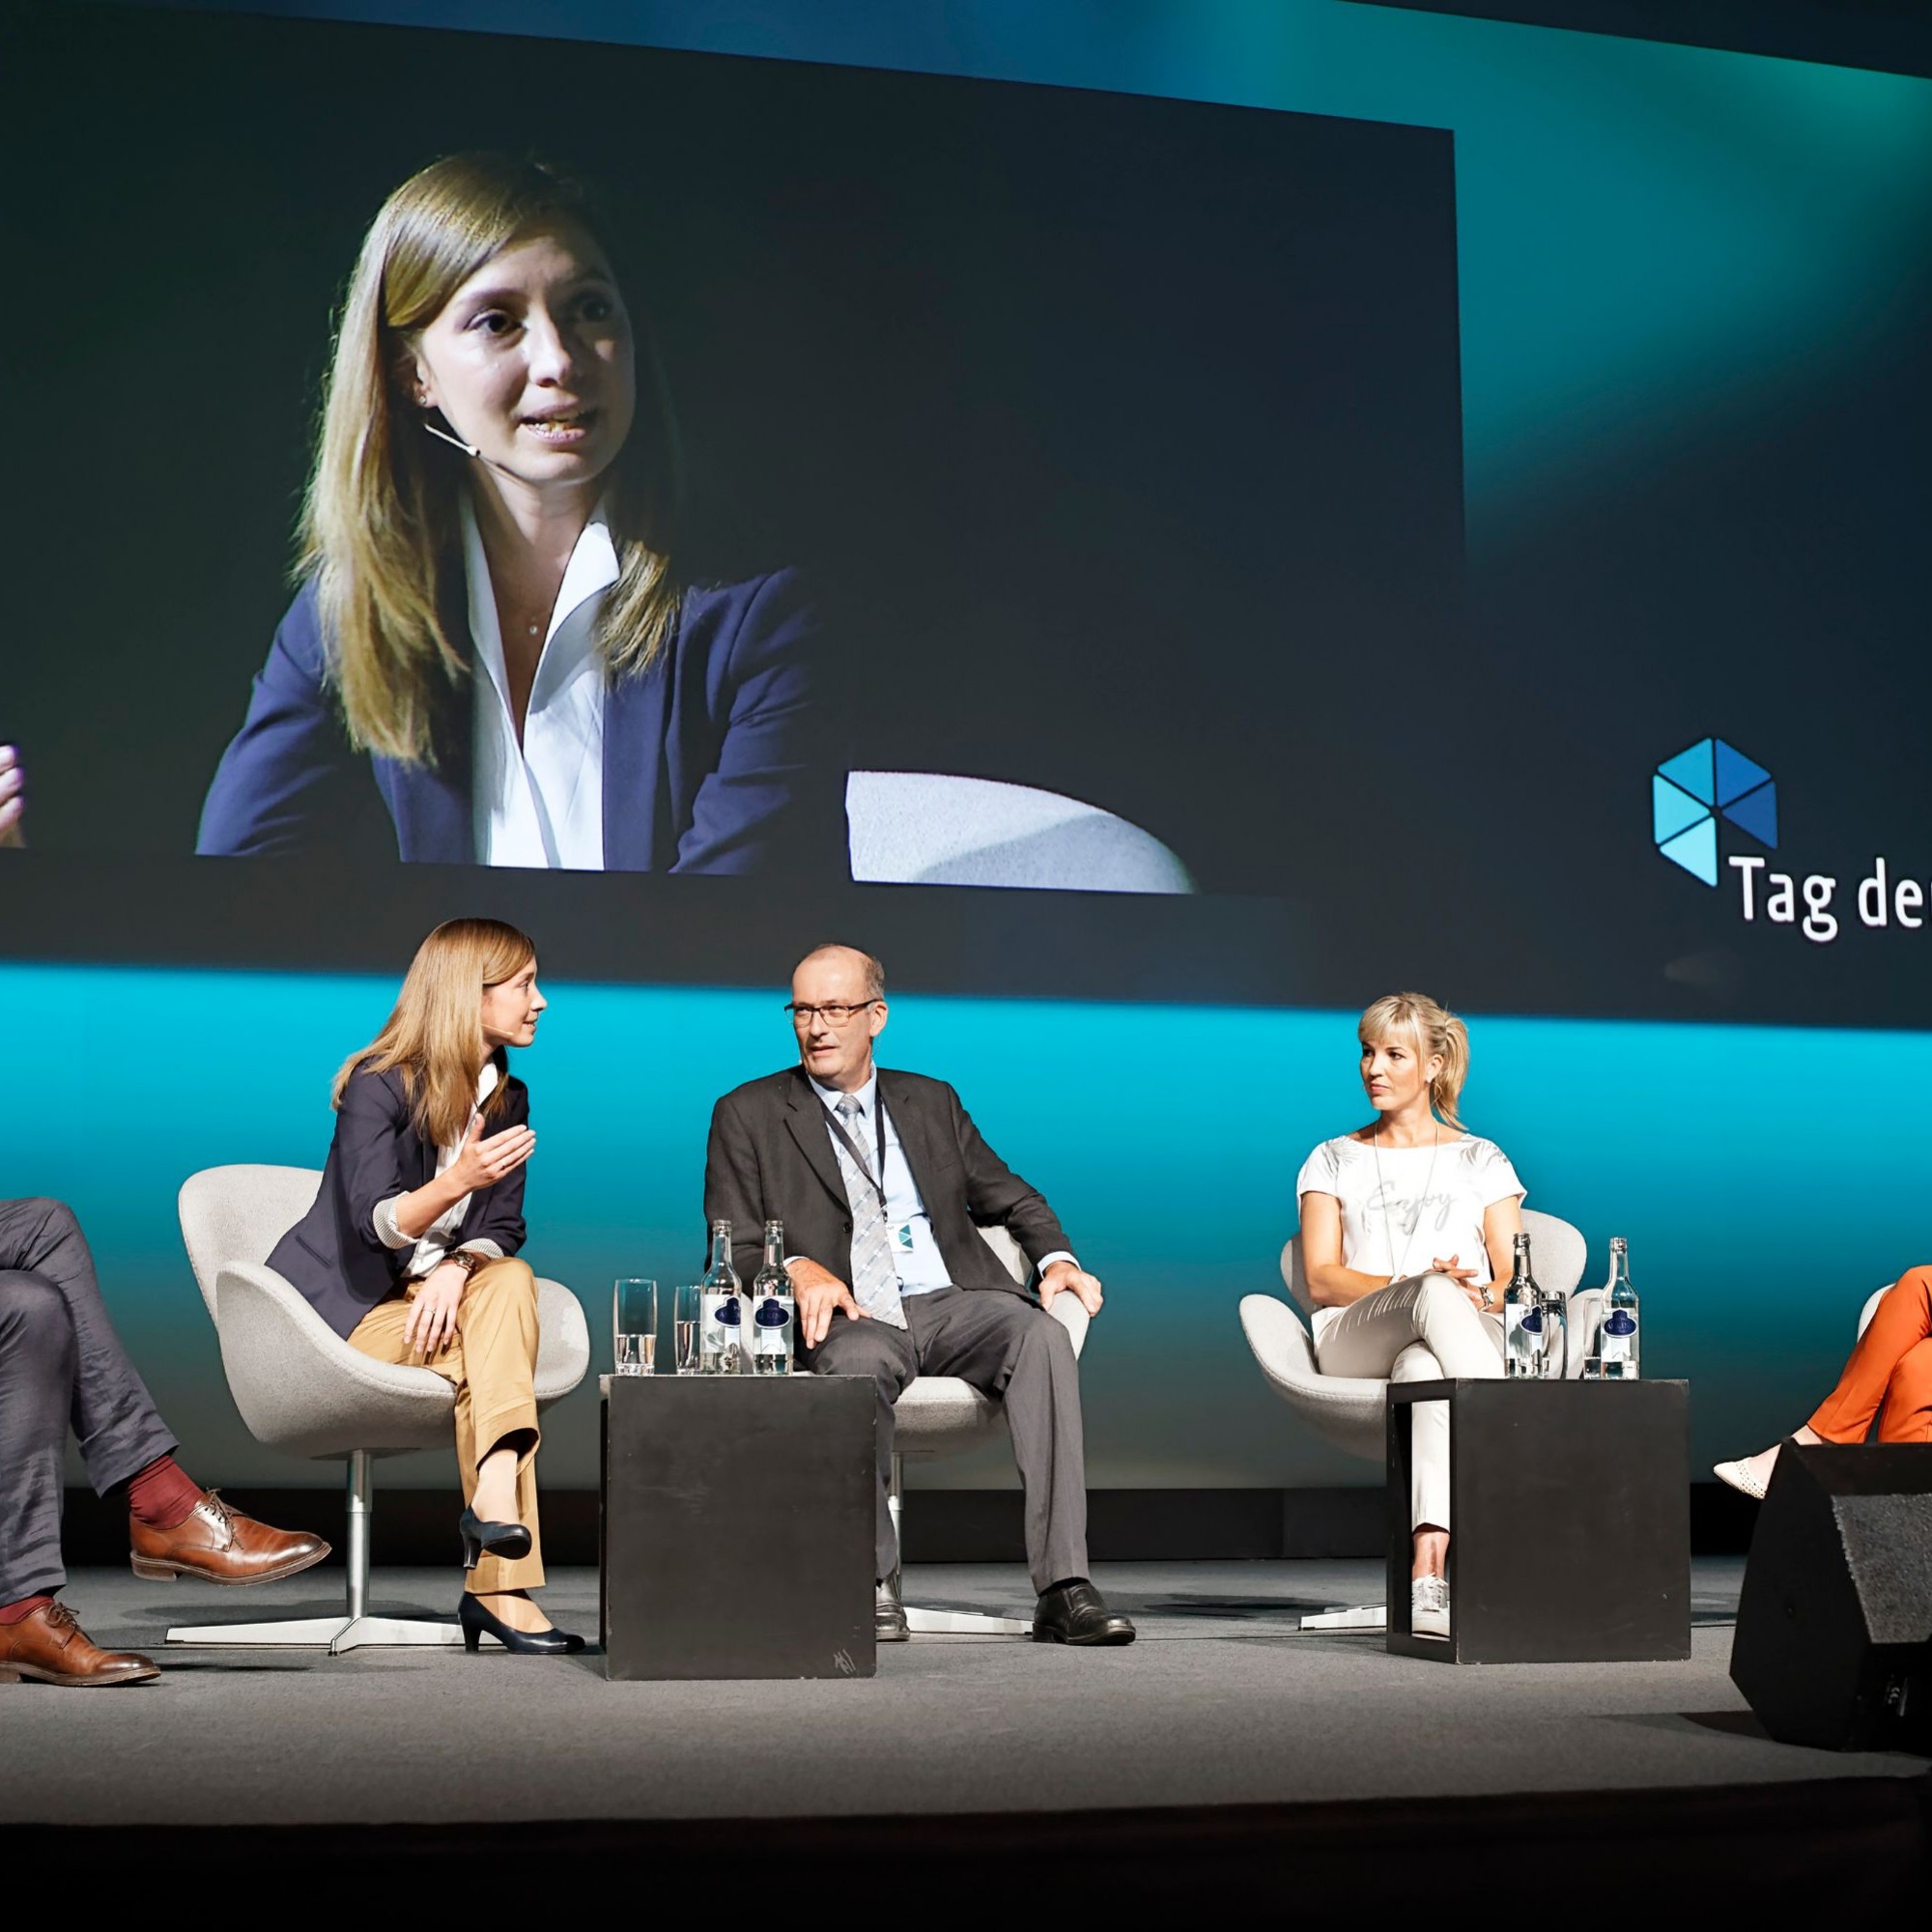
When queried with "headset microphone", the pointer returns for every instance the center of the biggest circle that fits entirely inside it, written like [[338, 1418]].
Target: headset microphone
[[454, 441]]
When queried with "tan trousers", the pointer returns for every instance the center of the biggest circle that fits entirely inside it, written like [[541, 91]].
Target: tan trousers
[[492, 1361]]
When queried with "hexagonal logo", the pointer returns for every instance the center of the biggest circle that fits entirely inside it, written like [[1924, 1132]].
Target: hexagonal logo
[[1704, 782]]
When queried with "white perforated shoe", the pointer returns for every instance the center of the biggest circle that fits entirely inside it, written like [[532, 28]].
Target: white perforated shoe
[[1429, 1606], [1738, 1476]]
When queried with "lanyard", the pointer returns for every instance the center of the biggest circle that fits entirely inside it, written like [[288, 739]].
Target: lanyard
[[876, 1176]]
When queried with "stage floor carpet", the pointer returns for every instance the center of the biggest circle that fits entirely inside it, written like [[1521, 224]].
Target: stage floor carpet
[[1223, 1712]]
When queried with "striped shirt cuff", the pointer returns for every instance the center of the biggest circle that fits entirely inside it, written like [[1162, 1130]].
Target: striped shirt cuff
[[384, 1221]]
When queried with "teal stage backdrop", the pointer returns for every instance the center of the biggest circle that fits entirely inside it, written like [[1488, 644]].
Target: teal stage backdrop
[[1768, 1180]]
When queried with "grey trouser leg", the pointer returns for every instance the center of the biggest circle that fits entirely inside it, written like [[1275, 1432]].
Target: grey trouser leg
[[38, 1357], [1016, 1350], [878, 1350], [114, 1418]]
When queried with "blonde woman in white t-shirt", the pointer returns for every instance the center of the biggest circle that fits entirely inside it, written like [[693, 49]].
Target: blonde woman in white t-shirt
[[1408, 1230]]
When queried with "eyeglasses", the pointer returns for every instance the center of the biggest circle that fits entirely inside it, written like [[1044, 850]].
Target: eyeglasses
[[836, 1012]]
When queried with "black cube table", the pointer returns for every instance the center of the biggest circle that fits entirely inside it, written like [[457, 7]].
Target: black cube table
[[735, 1532], [1570, 1507]]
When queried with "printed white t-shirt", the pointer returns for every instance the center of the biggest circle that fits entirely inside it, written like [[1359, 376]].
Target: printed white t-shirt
[[1397, 1220]]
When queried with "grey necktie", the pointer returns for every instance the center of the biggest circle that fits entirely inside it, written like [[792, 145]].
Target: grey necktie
[[875, 1281]]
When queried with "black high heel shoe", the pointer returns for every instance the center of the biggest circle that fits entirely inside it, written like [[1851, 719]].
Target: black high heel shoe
[[479, 1622], [507, 1540]]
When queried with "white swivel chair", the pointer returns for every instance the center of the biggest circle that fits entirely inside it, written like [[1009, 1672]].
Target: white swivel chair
[[1870, 1308], [933, 828], [303, 1389], [941, 1415], [1350, 1411]]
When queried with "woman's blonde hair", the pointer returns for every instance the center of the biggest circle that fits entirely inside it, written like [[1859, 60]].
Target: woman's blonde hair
[[435, 1031], [1434, 1032], [379, 526]]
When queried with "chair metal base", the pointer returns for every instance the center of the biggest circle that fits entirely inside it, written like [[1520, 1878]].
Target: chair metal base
[[963, 1623], [334, 1634], [945, 1623], [1362, 1617], [352, 1626]]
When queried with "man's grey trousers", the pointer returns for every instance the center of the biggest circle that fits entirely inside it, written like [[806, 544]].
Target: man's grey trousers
[[60, 1365], [1012, 1349]]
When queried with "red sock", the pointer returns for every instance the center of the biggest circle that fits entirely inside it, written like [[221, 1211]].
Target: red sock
[[19, 1613], [161, 1495]]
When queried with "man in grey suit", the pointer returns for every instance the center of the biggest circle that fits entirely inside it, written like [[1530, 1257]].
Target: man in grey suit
[[882, 1182], [61, 1367]]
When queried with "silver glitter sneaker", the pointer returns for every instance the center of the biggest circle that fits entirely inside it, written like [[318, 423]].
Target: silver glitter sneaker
[[1429, 1606]]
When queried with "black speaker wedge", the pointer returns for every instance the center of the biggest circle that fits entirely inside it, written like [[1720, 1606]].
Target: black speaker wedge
[[1833, 1643]]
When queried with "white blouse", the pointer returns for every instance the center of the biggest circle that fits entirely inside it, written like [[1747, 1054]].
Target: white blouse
[[541, 802], [1417, 1203], [436, 1240]]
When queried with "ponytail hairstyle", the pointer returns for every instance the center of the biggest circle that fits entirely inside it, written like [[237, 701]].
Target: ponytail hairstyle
[[434, 1031], [1435, 1033]]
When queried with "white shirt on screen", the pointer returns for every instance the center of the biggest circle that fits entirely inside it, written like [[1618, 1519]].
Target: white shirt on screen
[[435, 1241], [541, 802], [915, 1252], [1420, 1203]]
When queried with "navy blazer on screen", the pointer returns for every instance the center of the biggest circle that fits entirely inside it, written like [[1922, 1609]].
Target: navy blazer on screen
[[710, 758], [333, 1255]]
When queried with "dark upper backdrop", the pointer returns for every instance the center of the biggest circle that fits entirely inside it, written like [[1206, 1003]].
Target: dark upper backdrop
[[1122, 439]]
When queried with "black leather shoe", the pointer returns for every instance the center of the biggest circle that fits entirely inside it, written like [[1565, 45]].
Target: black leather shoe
[[479, 1622], [507, 1540], [889, 1617], [1076, 1612]]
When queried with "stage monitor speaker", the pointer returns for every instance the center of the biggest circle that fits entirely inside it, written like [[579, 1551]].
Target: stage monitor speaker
[[1833, 1643]]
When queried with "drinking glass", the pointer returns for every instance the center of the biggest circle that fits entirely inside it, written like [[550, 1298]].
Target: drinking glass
[[634, 1324], [688, 1326]]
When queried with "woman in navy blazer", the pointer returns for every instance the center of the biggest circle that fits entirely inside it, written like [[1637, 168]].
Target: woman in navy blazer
[[409, 1252], [488, 621]]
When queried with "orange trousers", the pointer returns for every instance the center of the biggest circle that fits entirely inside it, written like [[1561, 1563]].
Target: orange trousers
[[492, 1361], [1890, 1370]]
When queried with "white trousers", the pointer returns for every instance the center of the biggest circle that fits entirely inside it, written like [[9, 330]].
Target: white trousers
[[1424, 1329]]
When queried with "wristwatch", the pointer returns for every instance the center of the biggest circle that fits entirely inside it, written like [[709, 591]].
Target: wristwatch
[[467, 1259]]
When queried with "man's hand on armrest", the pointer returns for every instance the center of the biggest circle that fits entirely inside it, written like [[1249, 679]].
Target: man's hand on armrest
[[820, 1295], [1070, 1278]]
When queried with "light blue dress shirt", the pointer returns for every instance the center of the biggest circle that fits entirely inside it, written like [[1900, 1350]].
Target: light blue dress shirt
[[915, 1254]]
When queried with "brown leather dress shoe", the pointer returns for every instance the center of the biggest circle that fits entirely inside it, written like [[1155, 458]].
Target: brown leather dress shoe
[[220, 1545], [50, 1646]]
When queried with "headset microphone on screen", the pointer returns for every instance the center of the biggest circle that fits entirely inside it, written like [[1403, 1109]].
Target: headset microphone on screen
[[454, 441]]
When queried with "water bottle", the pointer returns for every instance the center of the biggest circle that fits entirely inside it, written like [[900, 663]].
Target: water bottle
[[721, 1310], [1522, 1318], [1618, 1349], [1555, 1360], [771, 1338]]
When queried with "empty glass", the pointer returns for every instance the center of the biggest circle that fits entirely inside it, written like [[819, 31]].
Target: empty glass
[[634, 1324], [688, 1326]]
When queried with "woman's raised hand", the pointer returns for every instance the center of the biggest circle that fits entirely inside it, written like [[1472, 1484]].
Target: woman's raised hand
[[12, 798], [482, 1163]]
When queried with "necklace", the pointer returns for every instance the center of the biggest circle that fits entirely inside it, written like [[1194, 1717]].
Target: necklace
[[1381, 1191]]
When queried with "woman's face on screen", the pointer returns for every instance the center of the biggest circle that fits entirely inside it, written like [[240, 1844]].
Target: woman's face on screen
[[531, 360]]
